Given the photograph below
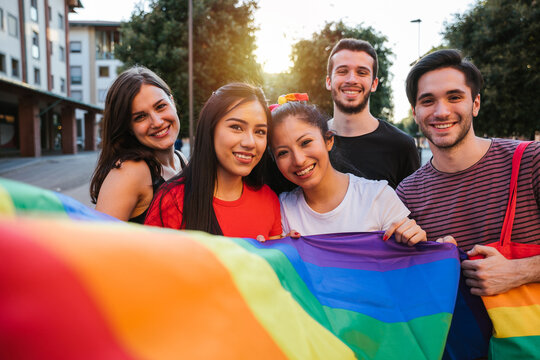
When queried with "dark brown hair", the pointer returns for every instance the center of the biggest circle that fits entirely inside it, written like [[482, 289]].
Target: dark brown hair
[[353, 45], [447, 58]]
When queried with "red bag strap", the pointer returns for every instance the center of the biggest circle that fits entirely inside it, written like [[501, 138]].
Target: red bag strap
[[506, 232]]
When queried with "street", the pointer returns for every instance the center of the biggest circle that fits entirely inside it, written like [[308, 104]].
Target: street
[[67, 174], [426, 156]]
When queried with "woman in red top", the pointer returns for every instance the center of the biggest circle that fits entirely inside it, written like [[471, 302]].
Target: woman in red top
[[221, 190]]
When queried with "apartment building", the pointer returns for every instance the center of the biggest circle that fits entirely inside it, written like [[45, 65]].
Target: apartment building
[[93, 66], [37, 112]]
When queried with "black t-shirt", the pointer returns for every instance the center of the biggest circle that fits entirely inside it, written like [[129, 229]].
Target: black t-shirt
[[384, 154]]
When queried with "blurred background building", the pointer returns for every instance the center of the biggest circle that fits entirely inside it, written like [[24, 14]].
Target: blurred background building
[[93, 66], [37, 106]]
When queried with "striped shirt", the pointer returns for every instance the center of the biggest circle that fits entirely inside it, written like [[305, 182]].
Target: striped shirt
[[470, 205]]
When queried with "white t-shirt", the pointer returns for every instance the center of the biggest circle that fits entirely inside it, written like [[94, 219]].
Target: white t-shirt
[[368, 205]]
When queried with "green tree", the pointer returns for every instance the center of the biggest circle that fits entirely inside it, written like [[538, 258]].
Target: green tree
[[502, 38], [408, 125], [310, 58], [277, 84], [223, 44]]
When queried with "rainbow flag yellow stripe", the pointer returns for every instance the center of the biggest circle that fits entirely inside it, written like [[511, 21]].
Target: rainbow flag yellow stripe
[[512, 317]]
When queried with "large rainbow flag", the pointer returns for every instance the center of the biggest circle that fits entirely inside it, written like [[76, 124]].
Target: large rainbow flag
[[77, 285]]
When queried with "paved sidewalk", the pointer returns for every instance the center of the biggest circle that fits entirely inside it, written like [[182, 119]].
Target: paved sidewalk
[[13, 163], [68, 174]]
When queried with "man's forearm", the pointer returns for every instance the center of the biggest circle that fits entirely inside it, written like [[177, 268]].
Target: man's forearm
[[528, 269]]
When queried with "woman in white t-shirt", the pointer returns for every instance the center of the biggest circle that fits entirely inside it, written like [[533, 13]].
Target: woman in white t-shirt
[[326, 200]]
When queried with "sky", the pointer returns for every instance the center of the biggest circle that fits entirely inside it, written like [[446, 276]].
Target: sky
[[284, 22]]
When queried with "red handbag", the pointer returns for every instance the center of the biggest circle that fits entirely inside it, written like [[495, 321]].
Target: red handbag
[[516, 313]]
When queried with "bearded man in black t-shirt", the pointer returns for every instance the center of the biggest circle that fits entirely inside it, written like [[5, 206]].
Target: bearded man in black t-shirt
[[377, 149]]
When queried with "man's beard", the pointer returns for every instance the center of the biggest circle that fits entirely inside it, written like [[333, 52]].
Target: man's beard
[[464, 123], [355, 109]]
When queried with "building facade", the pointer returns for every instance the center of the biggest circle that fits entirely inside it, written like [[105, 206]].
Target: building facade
[[37, 112], [93, 66]]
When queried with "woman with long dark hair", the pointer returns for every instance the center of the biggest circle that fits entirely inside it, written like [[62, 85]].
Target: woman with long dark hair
[[221, 190], [140, 126]]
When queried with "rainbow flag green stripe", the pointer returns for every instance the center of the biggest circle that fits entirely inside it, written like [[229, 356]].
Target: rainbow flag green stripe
[[25, 199], [514, 347], [18, 199]]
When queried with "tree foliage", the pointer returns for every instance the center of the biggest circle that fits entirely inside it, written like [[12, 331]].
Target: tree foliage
[[223, 46], [310, 58], [502, 38], [278, 84], [408, 125]]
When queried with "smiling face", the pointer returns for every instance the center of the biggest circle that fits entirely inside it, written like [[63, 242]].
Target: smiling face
[[301, 152], [351, 81], [154, 121], [444, 107], [240, 139]]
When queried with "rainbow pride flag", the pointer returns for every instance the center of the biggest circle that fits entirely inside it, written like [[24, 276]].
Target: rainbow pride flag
[[78, 285]]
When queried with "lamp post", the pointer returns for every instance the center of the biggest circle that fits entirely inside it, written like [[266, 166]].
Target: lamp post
[[418, 134], [190, 73], [418, 21]]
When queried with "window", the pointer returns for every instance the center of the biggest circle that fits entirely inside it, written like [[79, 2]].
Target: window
[[33, 10], [75, 46], [12, 26], [37, 76], [15, 67], [76, 75], [102, 95], [79, 133], [50, 46], [76, 95], [103, 71], [60, 21], [62, 85], [105, 43], [1, 19], [62, 54], [52, 81], [35, 45], [50, 14], [3, 68]]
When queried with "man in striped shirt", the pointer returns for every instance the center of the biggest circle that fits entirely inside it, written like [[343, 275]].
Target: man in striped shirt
[[463, 191]]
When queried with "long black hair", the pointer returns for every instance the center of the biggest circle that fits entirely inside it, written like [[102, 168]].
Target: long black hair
[[310, 114], [200, 175], [118, 142]]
